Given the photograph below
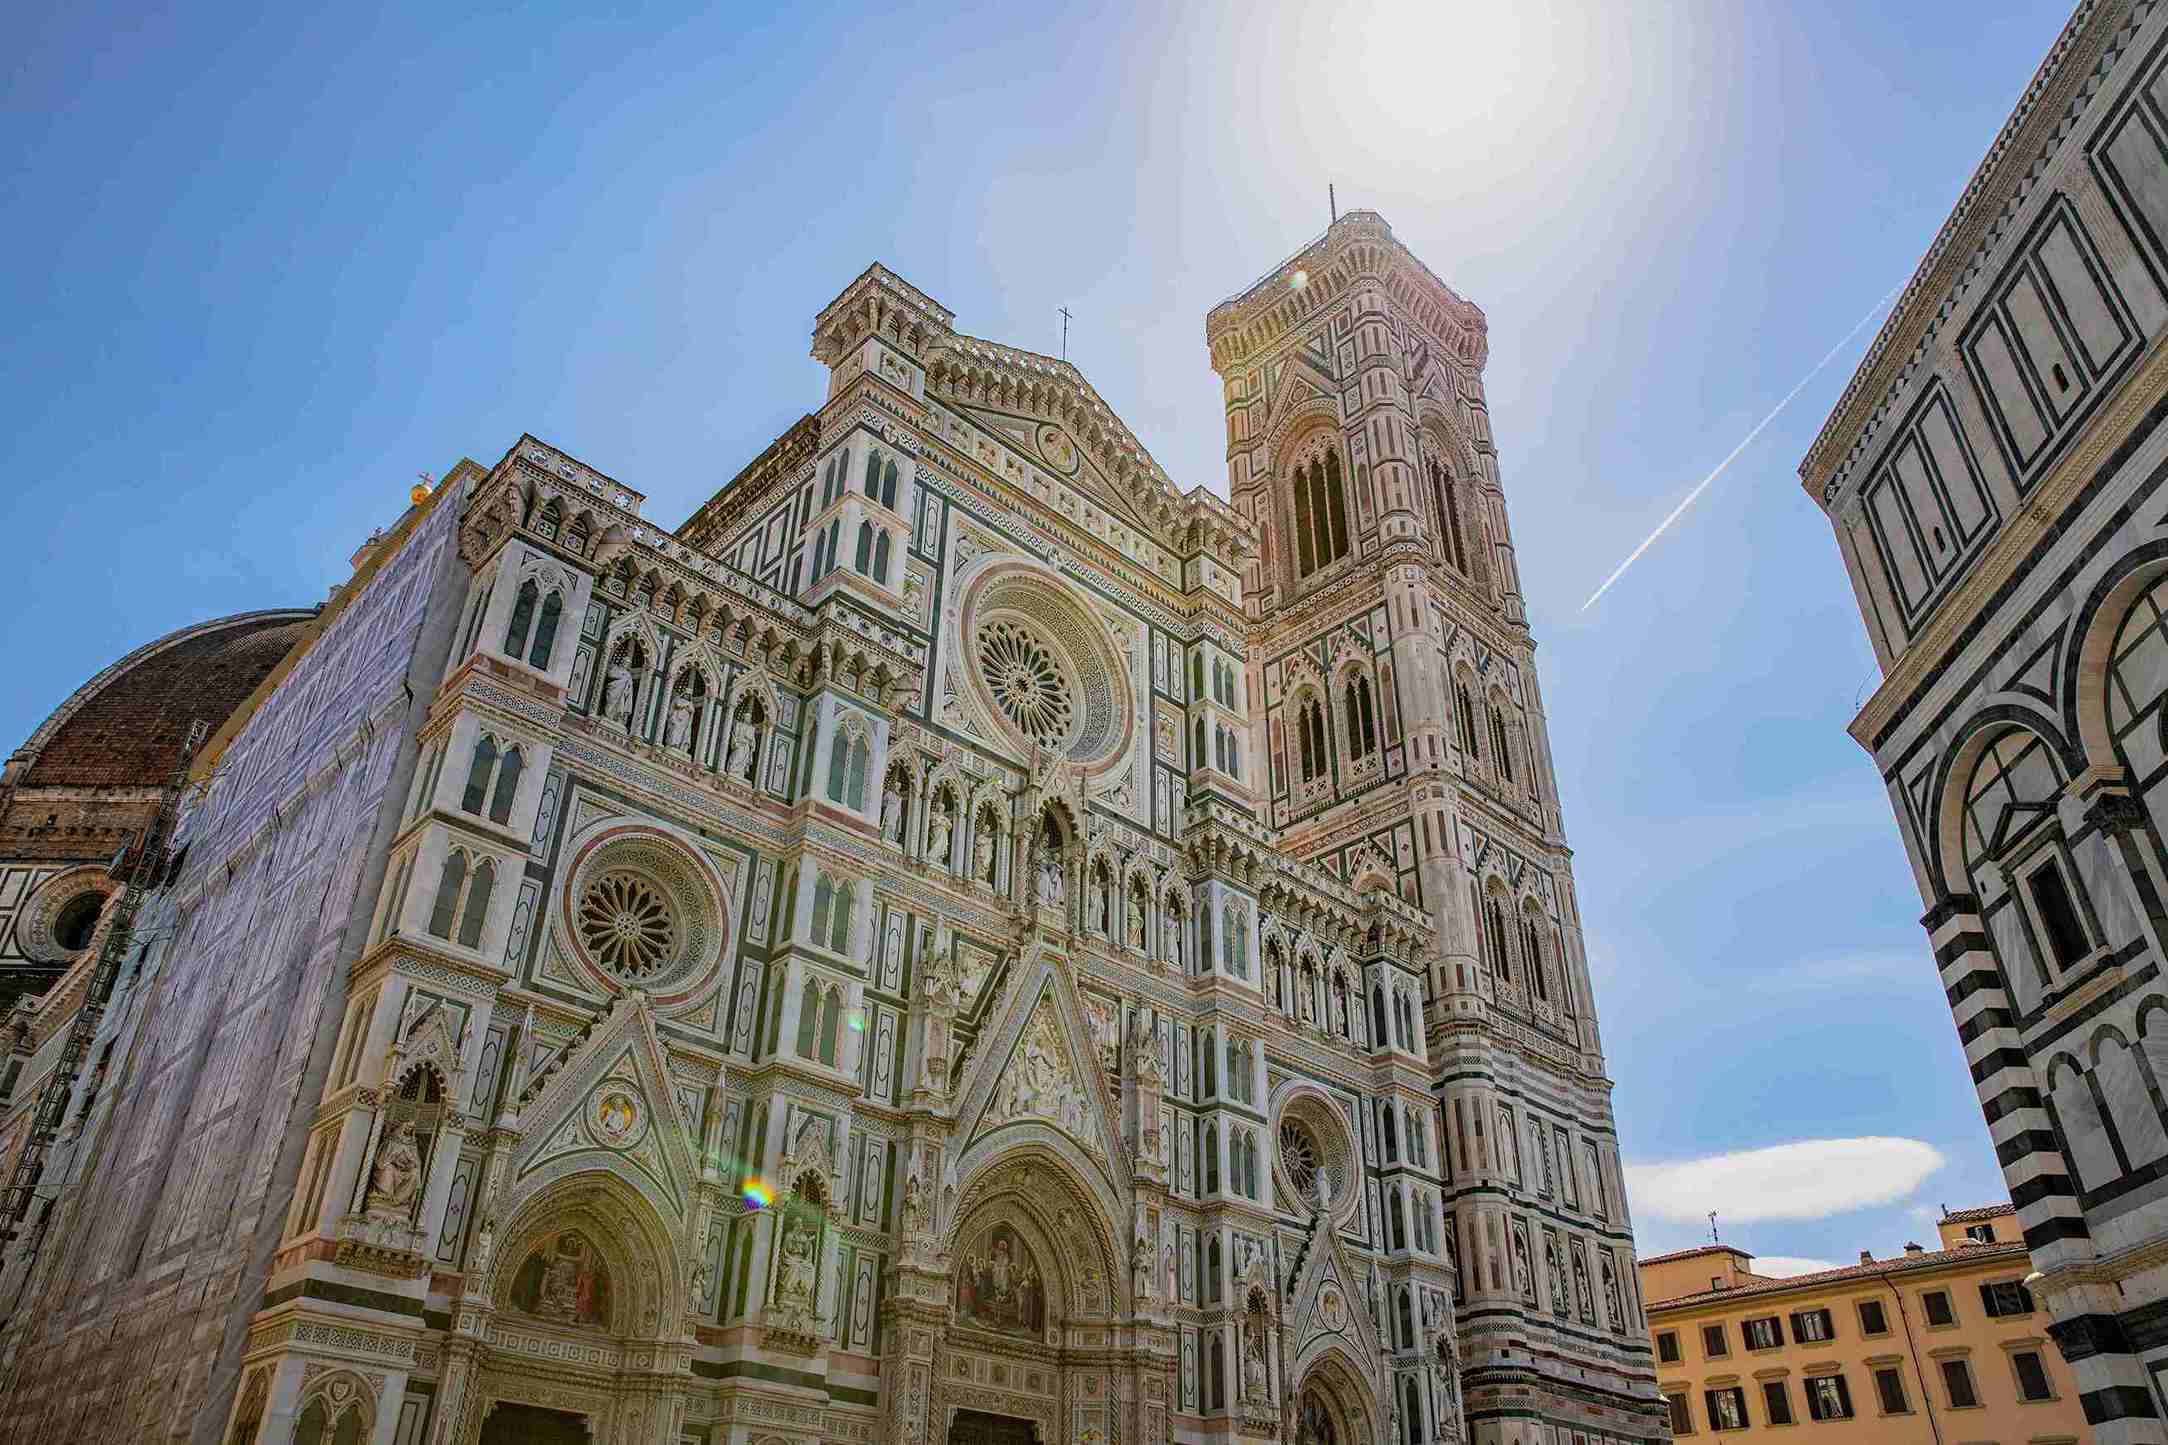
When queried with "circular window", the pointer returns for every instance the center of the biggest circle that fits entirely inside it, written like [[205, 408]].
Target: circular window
[[1298, 1151], [627, 924], [1020, 670], [1045, 668], [77, 921]]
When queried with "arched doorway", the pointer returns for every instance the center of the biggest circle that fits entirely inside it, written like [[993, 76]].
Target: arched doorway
[[1333, 1405], [1033, 1284], [588, 1336]]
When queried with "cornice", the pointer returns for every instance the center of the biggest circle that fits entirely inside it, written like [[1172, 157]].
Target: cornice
[[1358, 246], [2005, 179]]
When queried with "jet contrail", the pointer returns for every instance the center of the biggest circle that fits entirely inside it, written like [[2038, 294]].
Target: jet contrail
[[1665, 525]]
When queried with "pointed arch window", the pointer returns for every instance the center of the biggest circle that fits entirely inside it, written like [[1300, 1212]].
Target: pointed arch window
[[864, 561], [1362, 717], [831, 1025], [880, 558], [1310, 723], [888, 486], [523, 606], [449, 883], [1445, 500], [1501, 745], [478, 774], [873, 475], [1465, 706], [809, 1016], [507, 788], [477, 909], [545, 633], [1320, 514], [1494, 937], [1532, 952]]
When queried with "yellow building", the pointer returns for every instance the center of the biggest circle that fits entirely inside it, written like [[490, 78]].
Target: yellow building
[[1939, 1347]]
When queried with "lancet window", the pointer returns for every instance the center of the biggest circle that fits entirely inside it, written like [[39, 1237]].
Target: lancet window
[[1320, 513]]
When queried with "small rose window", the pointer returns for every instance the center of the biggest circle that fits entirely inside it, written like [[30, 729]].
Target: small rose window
[[1021, 671]]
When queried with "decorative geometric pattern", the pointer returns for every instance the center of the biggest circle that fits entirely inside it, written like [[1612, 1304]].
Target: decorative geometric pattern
[[1298, 1153], [1027, 682], [627, 925]]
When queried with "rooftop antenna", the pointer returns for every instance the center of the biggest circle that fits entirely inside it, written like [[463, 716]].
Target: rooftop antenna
[[1332, 199], [1714, 1237], [1064, 333]]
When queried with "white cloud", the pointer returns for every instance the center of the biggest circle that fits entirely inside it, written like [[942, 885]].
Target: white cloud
[[1784, 1266], [1805, 1179]]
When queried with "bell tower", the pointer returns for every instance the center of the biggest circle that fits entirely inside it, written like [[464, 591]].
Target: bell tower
[[1401, 745]]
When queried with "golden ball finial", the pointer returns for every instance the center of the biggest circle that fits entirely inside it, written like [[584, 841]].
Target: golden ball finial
[[419, 494]]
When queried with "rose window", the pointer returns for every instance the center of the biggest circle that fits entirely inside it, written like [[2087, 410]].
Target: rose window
[[1298, 1152], [628, 924], [1027, 683]]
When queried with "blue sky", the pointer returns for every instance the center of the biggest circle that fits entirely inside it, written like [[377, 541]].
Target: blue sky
[[267, 265]]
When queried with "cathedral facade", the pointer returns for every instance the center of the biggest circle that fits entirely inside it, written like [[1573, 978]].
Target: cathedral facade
[[961, 941]]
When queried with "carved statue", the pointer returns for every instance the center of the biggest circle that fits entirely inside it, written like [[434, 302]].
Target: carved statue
[[617, 694], [914, 1204], [397, 1178], [800, 1272], [1136, 920], [1174, 939], [678, 732], [1324, 1191], [741, 750], [1050, 882], [937, 845], [1256, 1379], [891, 815], [1140, 1257], [982, 856]]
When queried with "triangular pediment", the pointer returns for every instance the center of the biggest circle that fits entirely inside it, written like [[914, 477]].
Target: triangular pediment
[[1328, 1307], [1076, 467], [610, 1095], [1038, 1068]]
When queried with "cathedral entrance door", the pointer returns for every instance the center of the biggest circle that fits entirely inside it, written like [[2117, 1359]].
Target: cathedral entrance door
[[976, 1427], [533, 1425]]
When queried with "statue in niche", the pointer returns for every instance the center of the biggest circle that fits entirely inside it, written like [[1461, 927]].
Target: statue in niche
[[1556, 1268], [1050, 890], [1174, 938], [397, 1179], [1105, 894], [1611, 1301], [914, 1204], [1581, 1293], [1136, 920], [564, 1280], [1256, 1377], [1523, 1271], [999, 1287], [678, 731], [799, 1275], [741, 750], [891, 815], [617, 689], [937, 843], [982, 855]]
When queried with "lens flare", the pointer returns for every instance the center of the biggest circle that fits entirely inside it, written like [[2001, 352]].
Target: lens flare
[[757, 1195]]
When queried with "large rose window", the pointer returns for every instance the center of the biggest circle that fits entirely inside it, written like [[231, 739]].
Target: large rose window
[[1045, 667], [1027, 683], [628, 925]]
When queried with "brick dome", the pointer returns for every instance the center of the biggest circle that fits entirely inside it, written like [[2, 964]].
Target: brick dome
[[123, 730]]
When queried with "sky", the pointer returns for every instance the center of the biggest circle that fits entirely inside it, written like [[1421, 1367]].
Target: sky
[[267, 265]]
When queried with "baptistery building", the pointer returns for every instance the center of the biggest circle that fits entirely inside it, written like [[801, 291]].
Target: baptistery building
[[962, 940]]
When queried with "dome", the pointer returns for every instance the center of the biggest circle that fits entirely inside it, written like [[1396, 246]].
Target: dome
[[122, 732]]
